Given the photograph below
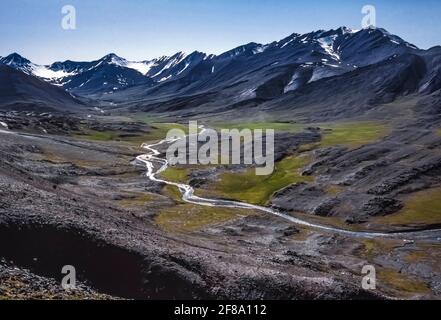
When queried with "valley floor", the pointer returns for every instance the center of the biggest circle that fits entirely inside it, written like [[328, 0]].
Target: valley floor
[[77, 198]]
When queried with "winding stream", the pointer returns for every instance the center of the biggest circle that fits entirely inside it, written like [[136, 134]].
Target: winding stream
[[152, 157]]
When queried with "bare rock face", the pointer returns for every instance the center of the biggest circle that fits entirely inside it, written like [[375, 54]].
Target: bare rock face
[[298, 197], [382, 206], [325, 208]]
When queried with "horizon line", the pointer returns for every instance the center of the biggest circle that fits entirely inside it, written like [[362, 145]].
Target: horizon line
[[206, 53]]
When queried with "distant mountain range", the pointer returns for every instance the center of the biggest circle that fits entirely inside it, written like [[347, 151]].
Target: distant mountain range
[[371, 60]]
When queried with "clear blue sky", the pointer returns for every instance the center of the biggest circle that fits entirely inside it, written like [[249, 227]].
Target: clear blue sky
[[143, 29]]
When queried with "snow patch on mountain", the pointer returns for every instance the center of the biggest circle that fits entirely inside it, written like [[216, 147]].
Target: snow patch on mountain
[[172, 61], [165, 78], [320, 73], [327, 43], [293, 83], [248, 94], [185, 68], [46, 73], [260, 49], [142, 67]]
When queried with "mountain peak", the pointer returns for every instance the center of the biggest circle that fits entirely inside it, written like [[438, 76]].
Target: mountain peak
[[14, 59], [345, 30], [112, 58], [381, 32], [179, 55], [323, 52], [111, 55], [248, 49]]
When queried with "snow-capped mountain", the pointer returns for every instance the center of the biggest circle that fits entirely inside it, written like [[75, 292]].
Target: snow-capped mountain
[[265, 71], [334, 72], [249, 71], [166, 68], [17, 62], [105, 75]]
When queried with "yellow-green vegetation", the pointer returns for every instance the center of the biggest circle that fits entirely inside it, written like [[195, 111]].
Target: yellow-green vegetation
[[59, 157], [119, 136], [190, 218], [308, 147], [137, 200], [423, 207], [144, 117], [352, 134], [176, 174], [173, 193], [387, 276], [439, 132], [429, 253], [372, 248], [277, 126], [417, 256], [158, 131], [401, 282], [100, 135], [249, 187]]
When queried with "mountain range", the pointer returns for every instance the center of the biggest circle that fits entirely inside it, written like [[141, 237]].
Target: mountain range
[[298, 70], [84, 176]]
